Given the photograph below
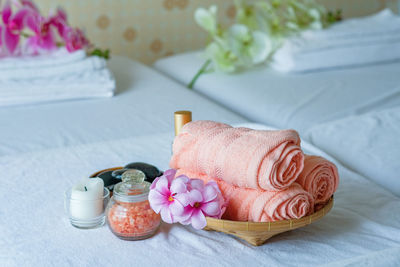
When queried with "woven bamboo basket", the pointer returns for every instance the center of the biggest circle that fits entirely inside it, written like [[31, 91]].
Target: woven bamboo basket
[[256, 233]]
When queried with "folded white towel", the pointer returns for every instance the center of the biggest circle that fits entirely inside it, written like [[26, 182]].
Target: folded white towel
[[354, 42], [59, 75], [60, 69], [54, 58], [88, 84]]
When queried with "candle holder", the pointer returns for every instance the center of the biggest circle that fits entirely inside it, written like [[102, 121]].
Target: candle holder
[[86, 213]]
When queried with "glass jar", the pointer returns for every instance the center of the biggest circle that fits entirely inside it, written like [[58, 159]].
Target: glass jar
[[129, 215]]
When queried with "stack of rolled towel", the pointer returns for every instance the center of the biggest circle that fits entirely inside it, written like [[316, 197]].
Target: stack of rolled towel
[[263, 175], [59, 75], [353, 42]]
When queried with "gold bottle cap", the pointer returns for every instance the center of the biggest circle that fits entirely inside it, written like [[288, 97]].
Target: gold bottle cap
[[181, 118]]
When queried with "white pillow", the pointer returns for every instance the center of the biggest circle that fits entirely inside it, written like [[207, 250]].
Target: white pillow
[[368, 144]]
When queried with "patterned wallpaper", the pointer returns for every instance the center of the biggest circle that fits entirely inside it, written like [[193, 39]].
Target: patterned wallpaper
[[150, 29]]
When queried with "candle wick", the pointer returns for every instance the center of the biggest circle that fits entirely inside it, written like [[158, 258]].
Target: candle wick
[[85, 188]]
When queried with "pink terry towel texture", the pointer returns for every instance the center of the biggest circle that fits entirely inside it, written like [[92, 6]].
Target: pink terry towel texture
[[246, 204], [319, 177], [259, 159]]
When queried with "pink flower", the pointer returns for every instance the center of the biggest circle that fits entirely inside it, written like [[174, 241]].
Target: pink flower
[[168, 196], [59, 21], [12, 27], [74, 39], [26, 3], [205, 200], [43, 38]]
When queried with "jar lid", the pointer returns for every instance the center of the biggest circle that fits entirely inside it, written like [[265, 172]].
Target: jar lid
[[133, 188]]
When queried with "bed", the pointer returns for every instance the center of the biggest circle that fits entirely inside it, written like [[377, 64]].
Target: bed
[[296, 101], [144, 104], [45, 149]]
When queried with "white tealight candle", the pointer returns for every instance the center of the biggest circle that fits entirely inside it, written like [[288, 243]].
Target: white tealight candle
[[87, 199]]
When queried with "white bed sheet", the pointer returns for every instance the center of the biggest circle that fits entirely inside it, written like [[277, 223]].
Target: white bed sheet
[[296, 101], [363, 226], [45, 149], [368, 144], [144, 104]]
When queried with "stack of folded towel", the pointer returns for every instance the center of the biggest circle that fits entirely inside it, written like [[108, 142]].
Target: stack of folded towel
[[59, 75], [353, 42], [263, 175]]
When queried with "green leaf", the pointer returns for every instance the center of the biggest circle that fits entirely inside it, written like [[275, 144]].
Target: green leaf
[[100, 53]]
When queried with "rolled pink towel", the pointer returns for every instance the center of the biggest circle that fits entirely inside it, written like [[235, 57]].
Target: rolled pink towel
[[319, 177], [246, 204], [259, 159]]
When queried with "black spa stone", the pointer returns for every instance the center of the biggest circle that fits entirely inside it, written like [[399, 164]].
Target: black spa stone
[[109, 179], [149, 170]]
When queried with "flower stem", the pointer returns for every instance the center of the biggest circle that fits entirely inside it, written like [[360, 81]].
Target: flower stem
[[202, 70]]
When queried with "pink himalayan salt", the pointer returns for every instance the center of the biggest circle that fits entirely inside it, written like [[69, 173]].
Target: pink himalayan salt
[[133, 219]]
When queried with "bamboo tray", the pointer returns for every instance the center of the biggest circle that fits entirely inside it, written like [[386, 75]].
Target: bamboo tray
[[256, 233]]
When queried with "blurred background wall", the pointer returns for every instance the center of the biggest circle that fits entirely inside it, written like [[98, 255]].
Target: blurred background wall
[[150, 29]]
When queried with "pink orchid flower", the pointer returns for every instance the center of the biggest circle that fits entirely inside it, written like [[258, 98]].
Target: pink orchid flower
[[12, 27], [43, 38], [205, 200], [27, 3], [59, 20], [74, 39], [168, 196]]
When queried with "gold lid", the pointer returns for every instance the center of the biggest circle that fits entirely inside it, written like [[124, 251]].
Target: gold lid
[[181, 117]]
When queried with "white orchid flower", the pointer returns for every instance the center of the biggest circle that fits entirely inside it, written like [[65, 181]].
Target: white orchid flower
[[251, 47], [207, 19], [223, 60], [261, 28], [315, 15]]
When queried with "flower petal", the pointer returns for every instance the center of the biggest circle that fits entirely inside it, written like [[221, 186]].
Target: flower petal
[[178, 185], [162, 185], [198, 220], [211, 208], [260, 48], [32, 22], [209, 193], [48, 41], [28, 3], [221, 58], [176, 208], [166, 215], [6, 12], [170, 175], [61, 14], [197, 184], [184, 218], [153, 184], [239, 32], [10, 40], [183, 198], [207, 19], [184, 178], [156, 198], [215, 185], [20, 17], [195, 196]]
